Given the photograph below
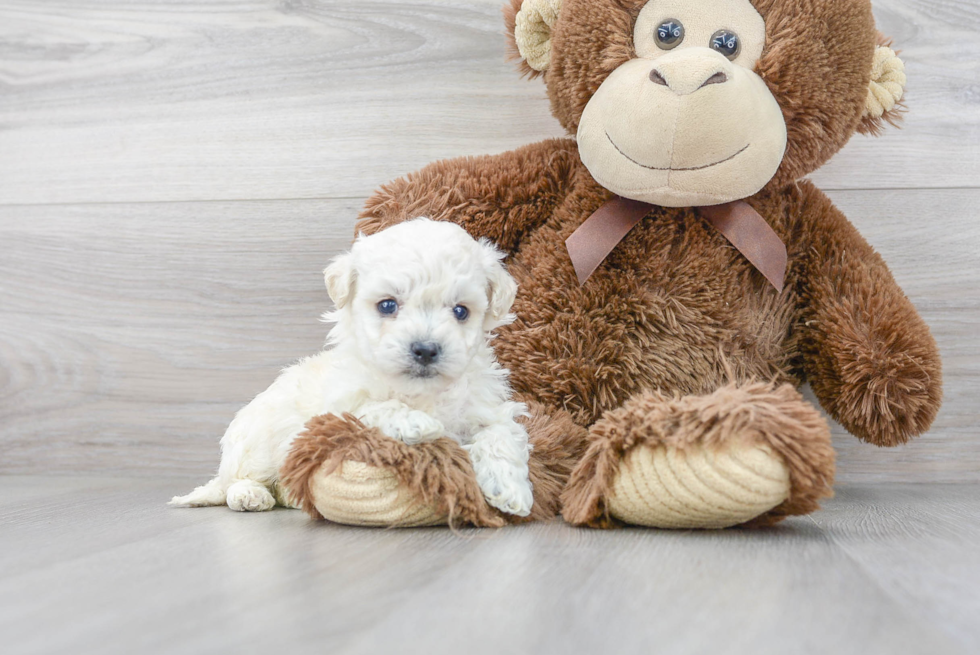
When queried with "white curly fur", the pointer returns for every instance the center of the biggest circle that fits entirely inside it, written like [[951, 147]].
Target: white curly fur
[[370, 371]]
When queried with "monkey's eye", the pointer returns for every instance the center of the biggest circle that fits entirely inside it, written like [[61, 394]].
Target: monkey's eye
[[460, 313], [387, 307], [669, 34], [727, 43]]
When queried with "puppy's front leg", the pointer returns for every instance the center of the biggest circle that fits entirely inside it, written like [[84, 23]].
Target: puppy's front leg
[[499, 455], [399, 421]]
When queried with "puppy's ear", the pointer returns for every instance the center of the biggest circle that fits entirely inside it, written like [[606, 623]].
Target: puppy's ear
[[340, 279], [501, 288]]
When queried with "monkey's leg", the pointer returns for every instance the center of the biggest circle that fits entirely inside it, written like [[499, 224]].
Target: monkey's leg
[[745, 454], [340, 470]]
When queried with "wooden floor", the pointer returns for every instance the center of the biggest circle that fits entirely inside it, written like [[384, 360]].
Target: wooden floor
[[101, 565]]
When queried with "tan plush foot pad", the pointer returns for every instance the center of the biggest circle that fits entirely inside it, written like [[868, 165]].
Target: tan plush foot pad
[[358, 494], [697, 487]]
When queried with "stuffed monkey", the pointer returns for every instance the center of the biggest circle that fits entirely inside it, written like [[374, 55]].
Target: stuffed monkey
[[679, 279]]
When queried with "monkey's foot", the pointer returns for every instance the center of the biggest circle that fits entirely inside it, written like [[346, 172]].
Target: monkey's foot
[[697, 487], [358, 494], [750, 454], [341, 470]]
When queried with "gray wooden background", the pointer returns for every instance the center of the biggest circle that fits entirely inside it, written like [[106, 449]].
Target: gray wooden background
[[174, 174]]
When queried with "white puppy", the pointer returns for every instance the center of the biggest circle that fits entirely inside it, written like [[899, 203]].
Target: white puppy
[[415, 305]]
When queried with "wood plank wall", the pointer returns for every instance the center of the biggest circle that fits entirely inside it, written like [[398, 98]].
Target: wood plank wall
[[174, 174]]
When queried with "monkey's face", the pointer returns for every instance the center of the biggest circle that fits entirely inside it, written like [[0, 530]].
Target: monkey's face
[[695, 102], [687, 121]]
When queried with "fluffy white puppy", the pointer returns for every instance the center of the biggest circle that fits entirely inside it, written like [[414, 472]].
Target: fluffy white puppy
[[415, 305]]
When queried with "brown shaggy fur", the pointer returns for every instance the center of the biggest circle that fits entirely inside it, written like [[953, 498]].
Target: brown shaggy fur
[[557, 444], [675, 315], [436, 472], [776, 416], [867, 354]]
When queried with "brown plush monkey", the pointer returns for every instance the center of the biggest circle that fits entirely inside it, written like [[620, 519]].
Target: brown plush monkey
[[666, 382]]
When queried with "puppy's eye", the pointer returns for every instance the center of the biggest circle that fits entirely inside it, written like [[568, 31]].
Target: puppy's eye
[[460, 312], [727, 43], [669, 34], [387, 307]]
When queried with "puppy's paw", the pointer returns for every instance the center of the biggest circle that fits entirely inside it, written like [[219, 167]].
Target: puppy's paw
[[511, 494], [400, 422], [414, 427], [203, 496], [250, 496], [504, 484], [499, 455]]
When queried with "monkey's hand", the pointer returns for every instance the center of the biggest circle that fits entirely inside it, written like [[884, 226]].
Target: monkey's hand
[[868, 355]]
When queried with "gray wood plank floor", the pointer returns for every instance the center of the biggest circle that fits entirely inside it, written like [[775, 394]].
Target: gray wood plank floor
[[100, 565]]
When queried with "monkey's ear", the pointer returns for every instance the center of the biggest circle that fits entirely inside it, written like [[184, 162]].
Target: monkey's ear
[[339, 278], [529, 24], [884, 102]]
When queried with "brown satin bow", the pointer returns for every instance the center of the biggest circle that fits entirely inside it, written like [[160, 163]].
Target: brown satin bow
[[744, 228]]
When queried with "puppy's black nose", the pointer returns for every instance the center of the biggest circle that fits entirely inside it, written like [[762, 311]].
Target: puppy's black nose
[[425, 353]]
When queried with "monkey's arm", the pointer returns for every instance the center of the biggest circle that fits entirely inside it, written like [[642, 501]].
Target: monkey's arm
[[500, 197], [868, 355]]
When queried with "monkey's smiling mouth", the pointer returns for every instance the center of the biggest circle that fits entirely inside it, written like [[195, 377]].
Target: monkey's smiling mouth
[[658, 168]]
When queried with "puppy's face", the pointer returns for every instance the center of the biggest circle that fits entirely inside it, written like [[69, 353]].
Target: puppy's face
[[418, 300]]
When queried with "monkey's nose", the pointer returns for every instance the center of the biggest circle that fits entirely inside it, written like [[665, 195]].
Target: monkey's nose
[[717, 78], [657, 78], [683, 85], [425, 352]]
